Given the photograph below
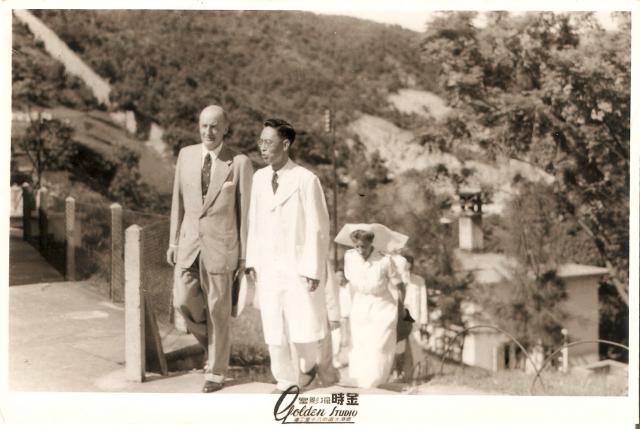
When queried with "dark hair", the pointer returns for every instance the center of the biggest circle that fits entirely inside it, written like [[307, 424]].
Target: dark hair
[[363, 235], [409, 259], [285, 130]]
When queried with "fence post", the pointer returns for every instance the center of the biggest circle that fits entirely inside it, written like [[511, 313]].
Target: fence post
[[69, 237], [43, 221], [27, 206], [133, 306], [565, 350], [116, 290]]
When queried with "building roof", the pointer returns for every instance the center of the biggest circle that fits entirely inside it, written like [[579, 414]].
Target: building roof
[[491, 268], [578, 270]]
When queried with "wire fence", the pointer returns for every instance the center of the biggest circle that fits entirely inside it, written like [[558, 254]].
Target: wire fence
[[52, 246], [142, 219], [93, 252], [45, 224], [560, 378]]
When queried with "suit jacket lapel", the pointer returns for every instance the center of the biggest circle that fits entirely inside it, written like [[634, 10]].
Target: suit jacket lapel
[[195, 174], [220, 173]]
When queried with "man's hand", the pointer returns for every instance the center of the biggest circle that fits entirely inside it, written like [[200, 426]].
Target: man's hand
[[240, 268], [252, 274], [334, 324], [172, 255], [312, 284]]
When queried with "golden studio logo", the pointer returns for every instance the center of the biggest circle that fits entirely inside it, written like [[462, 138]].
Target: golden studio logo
[[334, 408]]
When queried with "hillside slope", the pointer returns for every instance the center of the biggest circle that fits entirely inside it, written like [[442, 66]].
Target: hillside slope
[[41, 84], [165, 65]]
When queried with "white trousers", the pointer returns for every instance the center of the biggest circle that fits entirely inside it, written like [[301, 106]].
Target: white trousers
[[283, 356], [286, 373]]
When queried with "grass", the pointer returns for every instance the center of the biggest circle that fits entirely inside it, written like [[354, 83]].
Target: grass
[[247, 340], [515, 382], [249, 350]]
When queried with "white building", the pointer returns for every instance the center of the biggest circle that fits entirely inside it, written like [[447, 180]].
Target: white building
[[491, 349]]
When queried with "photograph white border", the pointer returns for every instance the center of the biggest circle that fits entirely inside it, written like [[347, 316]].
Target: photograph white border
[[407, 410]]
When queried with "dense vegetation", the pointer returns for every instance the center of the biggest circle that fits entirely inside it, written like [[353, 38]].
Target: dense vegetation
[[550, 89], [39, 80], [554, 90], [256, 64]]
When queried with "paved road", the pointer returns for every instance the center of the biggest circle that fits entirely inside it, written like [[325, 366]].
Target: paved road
[[65, 336], [26, 265]]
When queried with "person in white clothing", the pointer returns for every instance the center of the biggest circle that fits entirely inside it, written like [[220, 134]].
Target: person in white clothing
[[343, 340], [415, 302], [374, 310], [287, 250]]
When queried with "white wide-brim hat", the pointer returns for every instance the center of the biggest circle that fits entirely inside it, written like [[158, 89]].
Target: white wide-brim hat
[[385, 239], [243, 294]]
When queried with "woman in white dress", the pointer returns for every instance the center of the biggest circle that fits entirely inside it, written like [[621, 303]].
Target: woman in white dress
[[374, 310]]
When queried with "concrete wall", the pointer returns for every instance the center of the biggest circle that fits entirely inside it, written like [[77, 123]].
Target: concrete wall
[[479, 349], [582, 323]]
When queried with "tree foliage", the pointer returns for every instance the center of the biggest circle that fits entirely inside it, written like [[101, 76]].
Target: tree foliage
[[553, 90], [539, 240], [39, 80], [167, 65], [127, 186], [48, 145]]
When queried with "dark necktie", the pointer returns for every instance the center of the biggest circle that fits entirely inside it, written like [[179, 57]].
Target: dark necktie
[[274, 182], [206, 175]]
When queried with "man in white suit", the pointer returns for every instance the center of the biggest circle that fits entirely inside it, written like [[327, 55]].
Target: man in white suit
[[208, 238], [288, 245]]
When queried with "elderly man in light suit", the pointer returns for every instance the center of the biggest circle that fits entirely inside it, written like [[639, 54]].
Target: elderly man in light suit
[[287, 257], [208, 237]]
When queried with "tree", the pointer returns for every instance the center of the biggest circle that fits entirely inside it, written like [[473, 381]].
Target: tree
[[127, 186], [48, 145], [552, 90], [529, 304]]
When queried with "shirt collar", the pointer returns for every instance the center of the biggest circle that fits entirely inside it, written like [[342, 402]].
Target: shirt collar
[[214, 153], [285, 168]]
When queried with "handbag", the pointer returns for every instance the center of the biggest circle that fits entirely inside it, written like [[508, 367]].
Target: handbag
[[405, 323]]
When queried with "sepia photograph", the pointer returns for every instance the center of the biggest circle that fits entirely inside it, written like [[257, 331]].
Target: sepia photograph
[[315, 207]]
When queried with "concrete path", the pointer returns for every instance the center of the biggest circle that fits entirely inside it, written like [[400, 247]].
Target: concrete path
[[26, 265], [62, 337], [66, 337]]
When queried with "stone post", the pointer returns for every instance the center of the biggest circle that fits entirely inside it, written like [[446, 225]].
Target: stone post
[[69, 237], [133, 306], [27, 206], [116, 289], [43, 221]]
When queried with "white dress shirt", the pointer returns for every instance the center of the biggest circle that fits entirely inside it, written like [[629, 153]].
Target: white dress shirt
[[214, 155]]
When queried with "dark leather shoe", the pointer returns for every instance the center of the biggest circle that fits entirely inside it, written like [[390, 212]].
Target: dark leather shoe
[[307, 377], [211, 386]]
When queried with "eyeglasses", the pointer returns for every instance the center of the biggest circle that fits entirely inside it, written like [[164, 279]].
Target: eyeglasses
[[265, 143]]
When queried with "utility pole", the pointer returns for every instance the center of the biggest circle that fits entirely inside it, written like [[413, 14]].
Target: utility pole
[[329, 127]]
